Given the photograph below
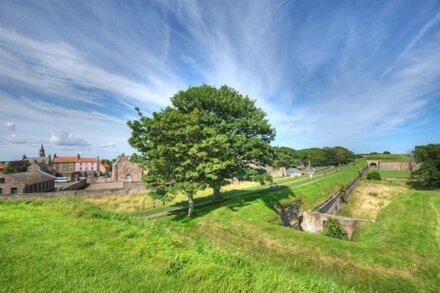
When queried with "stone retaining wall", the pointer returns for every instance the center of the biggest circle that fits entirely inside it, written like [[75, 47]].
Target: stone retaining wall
[[132, 188], [315, 222]]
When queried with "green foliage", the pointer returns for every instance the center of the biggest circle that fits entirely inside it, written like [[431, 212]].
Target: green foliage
[[386, 153], [337, 156], [8, 169], [206, 138], [429, 173], [328, 156], [285, 157], [374, 176], [334, 229], [315, 156]]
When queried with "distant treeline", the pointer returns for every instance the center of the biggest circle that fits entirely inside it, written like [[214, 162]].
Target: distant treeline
[[328, 156]]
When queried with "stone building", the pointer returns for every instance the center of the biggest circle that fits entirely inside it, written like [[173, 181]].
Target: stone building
[[393, 166], [26, 182], [125, 171], [64, 165]]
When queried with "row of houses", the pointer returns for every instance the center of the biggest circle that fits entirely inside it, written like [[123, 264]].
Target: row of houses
[[38, 174]]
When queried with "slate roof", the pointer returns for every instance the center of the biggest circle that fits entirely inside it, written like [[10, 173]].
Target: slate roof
[[65, 159], [293, 171], [32, 177], [87, 160]]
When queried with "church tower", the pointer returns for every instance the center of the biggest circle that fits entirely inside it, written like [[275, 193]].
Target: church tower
[[42, 153]]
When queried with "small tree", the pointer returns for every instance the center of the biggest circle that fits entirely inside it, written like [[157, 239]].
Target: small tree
[[386, 153], [374, 176], [334, 229]]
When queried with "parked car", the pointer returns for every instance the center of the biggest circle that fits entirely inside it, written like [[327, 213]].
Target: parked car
[[62, 180]]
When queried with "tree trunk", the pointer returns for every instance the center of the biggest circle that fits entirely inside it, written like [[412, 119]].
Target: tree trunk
[[217, 194], [190, 204]]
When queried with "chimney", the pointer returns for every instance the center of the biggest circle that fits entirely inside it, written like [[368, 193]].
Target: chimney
[[77, 156]]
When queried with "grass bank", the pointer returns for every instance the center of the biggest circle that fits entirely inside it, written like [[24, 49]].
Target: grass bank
[[384, 174]]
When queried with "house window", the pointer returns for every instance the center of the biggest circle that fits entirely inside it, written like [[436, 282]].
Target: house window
[[2, 180], [1, 190], [14, 190]]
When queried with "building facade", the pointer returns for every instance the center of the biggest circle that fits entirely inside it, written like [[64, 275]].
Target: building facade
[[87, 165], [64, 165], [125, 171], [26, 182]]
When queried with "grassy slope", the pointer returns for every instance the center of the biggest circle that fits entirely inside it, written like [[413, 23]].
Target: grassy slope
[[70, 245], [393, 174], [390, 157], [140, 203]]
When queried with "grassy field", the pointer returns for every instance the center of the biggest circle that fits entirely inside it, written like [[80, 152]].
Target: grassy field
[[137, 203], [393, 174], [390, 157], [370, 197], [71, 245]]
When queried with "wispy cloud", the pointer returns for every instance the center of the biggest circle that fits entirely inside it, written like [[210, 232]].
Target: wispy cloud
[[326, 74]]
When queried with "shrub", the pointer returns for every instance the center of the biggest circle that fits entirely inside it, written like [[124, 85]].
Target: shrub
[[334, 229], [374, 176]]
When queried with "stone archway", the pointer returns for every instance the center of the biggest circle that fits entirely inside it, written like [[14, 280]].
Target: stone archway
[[128, 178], [373, 165]]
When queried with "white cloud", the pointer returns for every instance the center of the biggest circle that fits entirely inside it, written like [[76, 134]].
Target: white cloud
[[108, 145], [58, 68], [65, 138], [10, 126]]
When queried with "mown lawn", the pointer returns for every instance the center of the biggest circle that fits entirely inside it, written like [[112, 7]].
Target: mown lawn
[[393, 174], [390, 157], [71, 245]]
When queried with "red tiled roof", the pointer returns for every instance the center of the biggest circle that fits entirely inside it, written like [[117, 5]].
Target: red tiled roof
[[65, 159], [105, 165], [87, 160]]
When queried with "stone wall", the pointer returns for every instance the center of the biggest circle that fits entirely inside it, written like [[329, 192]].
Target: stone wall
[[315, 222], [393, 166], [10, 182], [75, 185], [125, 171], [129, 189]]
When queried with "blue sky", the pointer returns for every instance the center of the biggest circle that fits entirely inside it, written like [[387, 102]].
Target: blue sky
[[362, 74]]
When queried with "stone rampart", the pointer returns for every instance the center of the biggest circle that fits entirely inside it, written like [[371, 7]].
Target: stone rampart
[[393, 166], [315, 222]]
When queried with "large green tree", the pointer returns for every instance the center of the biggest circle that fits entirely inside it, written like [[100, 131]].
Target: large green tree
[[208, 137], [242, 134], [428, 175], [172, 145]]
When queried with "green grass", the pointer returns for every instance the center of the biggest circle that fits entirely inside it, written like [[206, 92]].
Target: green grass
[[390, 157], [70, 245], [393, 174]]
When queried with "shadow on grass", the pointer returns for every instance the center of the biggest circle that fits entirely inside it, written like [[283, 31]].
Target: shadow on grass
[[236, 200]]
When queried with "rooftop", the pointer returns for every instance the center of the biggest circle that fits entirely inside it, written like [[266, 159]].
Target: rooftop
[[87, 160], [32, 177], [65, 159]]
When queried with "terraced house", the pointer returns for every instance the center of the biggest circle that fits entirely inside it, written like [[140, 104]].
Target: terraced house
[[70, 165]]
